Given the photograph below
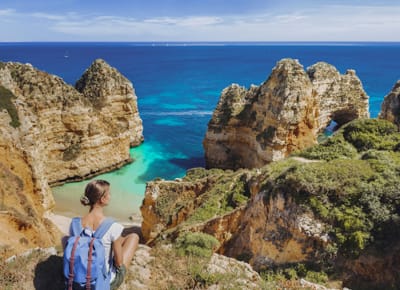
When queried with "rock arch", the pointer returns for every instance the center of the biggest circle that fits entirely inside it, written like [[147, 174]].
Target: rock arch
[[250, 128]]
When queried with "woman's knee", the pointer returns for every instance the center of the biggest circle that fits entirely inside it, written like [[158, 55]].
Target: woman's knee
[[132, 239], [130, 242]]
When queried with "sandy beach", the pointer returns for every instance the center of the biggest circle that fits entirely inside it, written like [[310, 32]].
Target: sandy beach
[[63, 222]]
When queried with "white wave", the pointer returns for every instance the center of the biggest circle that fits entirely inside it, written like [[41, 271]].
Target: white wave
[[178, 113]]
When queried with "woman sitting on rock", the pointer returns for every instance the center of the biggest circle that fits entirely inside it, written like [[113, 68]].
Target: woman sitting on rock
[[119, 249]]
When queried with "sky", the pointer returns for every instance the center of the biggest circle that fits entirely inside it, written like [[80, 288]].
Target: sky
[[199, 20]]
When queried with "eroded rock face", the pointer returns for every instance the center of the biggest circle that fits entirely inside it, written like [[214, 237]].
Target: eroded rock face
[[65, 134], [251, 128], [24, 201], [170, 203], [390, 109], [265, 231], [51, 133], [114, 96], [276, 231]]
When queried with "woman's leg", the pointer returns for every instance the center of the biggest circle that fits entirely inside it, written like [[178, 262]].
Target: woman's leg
[[129, 246]]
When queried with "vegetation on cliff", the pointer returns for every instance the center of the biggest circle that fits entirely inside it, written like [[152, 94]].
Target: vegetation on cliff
[[6, 97], [351, 187], [216, 191], [357, 193]]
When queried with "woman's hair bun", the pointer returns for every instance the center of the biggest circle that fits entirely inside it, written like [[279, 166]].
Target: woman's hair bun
[[85, 200]]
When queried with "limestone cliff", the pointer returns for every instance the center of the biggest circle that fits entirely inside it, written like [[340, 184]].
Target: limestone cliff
[[390, 109], [23, 204], [250, 128], [231, 206], [51, 133], [65, 134]]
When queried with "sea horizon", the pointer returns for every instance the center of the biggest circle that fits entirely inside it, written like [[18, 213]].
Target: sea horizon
[[210, 43]]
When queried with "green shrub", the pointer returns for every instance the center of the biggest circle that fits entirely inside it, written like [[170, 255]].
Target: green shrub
[[333, 148], [199, 173], [229, 192], [317, 277], [202, 277], [287, 276], [6, 103], [196, 244], [359, 199], [372, 134]]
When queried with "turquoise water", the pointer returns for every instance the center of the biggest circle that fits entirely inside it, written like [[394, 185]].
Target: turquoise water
[[179, 86], [127, 185]]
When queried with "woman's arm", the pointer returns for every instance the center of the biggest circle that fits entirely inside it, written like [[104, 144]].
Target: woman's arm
[[118, 255]]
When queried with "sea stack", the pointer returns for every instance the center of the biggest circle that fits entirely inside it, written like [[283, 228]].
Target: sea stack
[[68, 133], [253, 127], [390, 109]]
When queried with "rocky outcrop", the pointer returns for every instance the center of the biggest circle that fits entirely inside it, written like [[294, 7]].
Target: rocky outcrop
[[114, 97], [390, 109], [265, 231], [202, 201], [276, 231], [51, 133], [65, 134], [250, 128]]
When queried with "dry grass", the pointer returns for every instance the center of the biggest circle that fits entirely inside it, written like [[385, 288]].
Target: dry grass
[[37, 271], [171, 270]]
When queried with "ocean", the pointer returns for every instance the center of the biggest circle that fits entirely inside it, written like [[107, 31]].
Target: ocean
[[178, 86]]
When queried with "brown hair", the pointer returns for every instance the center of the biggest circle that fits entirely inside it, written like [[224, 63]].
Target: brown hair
[[94, 191]]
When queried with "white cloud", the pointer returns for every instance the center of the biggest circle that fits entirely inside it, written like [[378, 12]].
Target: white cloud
[[7, 12], [287, 18], [185, 21], [48, 16], [320, 23]]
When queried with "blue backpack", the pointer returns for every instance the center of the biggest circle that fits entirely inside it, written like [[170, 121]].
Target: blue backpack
[[84, 258]]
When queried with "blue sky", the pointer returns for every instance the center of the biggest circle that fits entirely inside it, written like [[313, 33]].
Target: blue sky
[[199, 20]]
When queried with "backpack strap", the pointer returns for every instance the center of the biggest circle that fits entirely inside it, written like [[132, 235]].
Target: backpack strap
[[99, 233], [71, 264], [76, 226], [89, 266], [103, 228]]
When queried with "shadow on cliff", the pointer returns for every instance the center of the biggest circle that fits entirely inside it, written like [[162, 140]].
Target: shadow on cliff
[[134, 229], [161, 169], [48, 274]]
